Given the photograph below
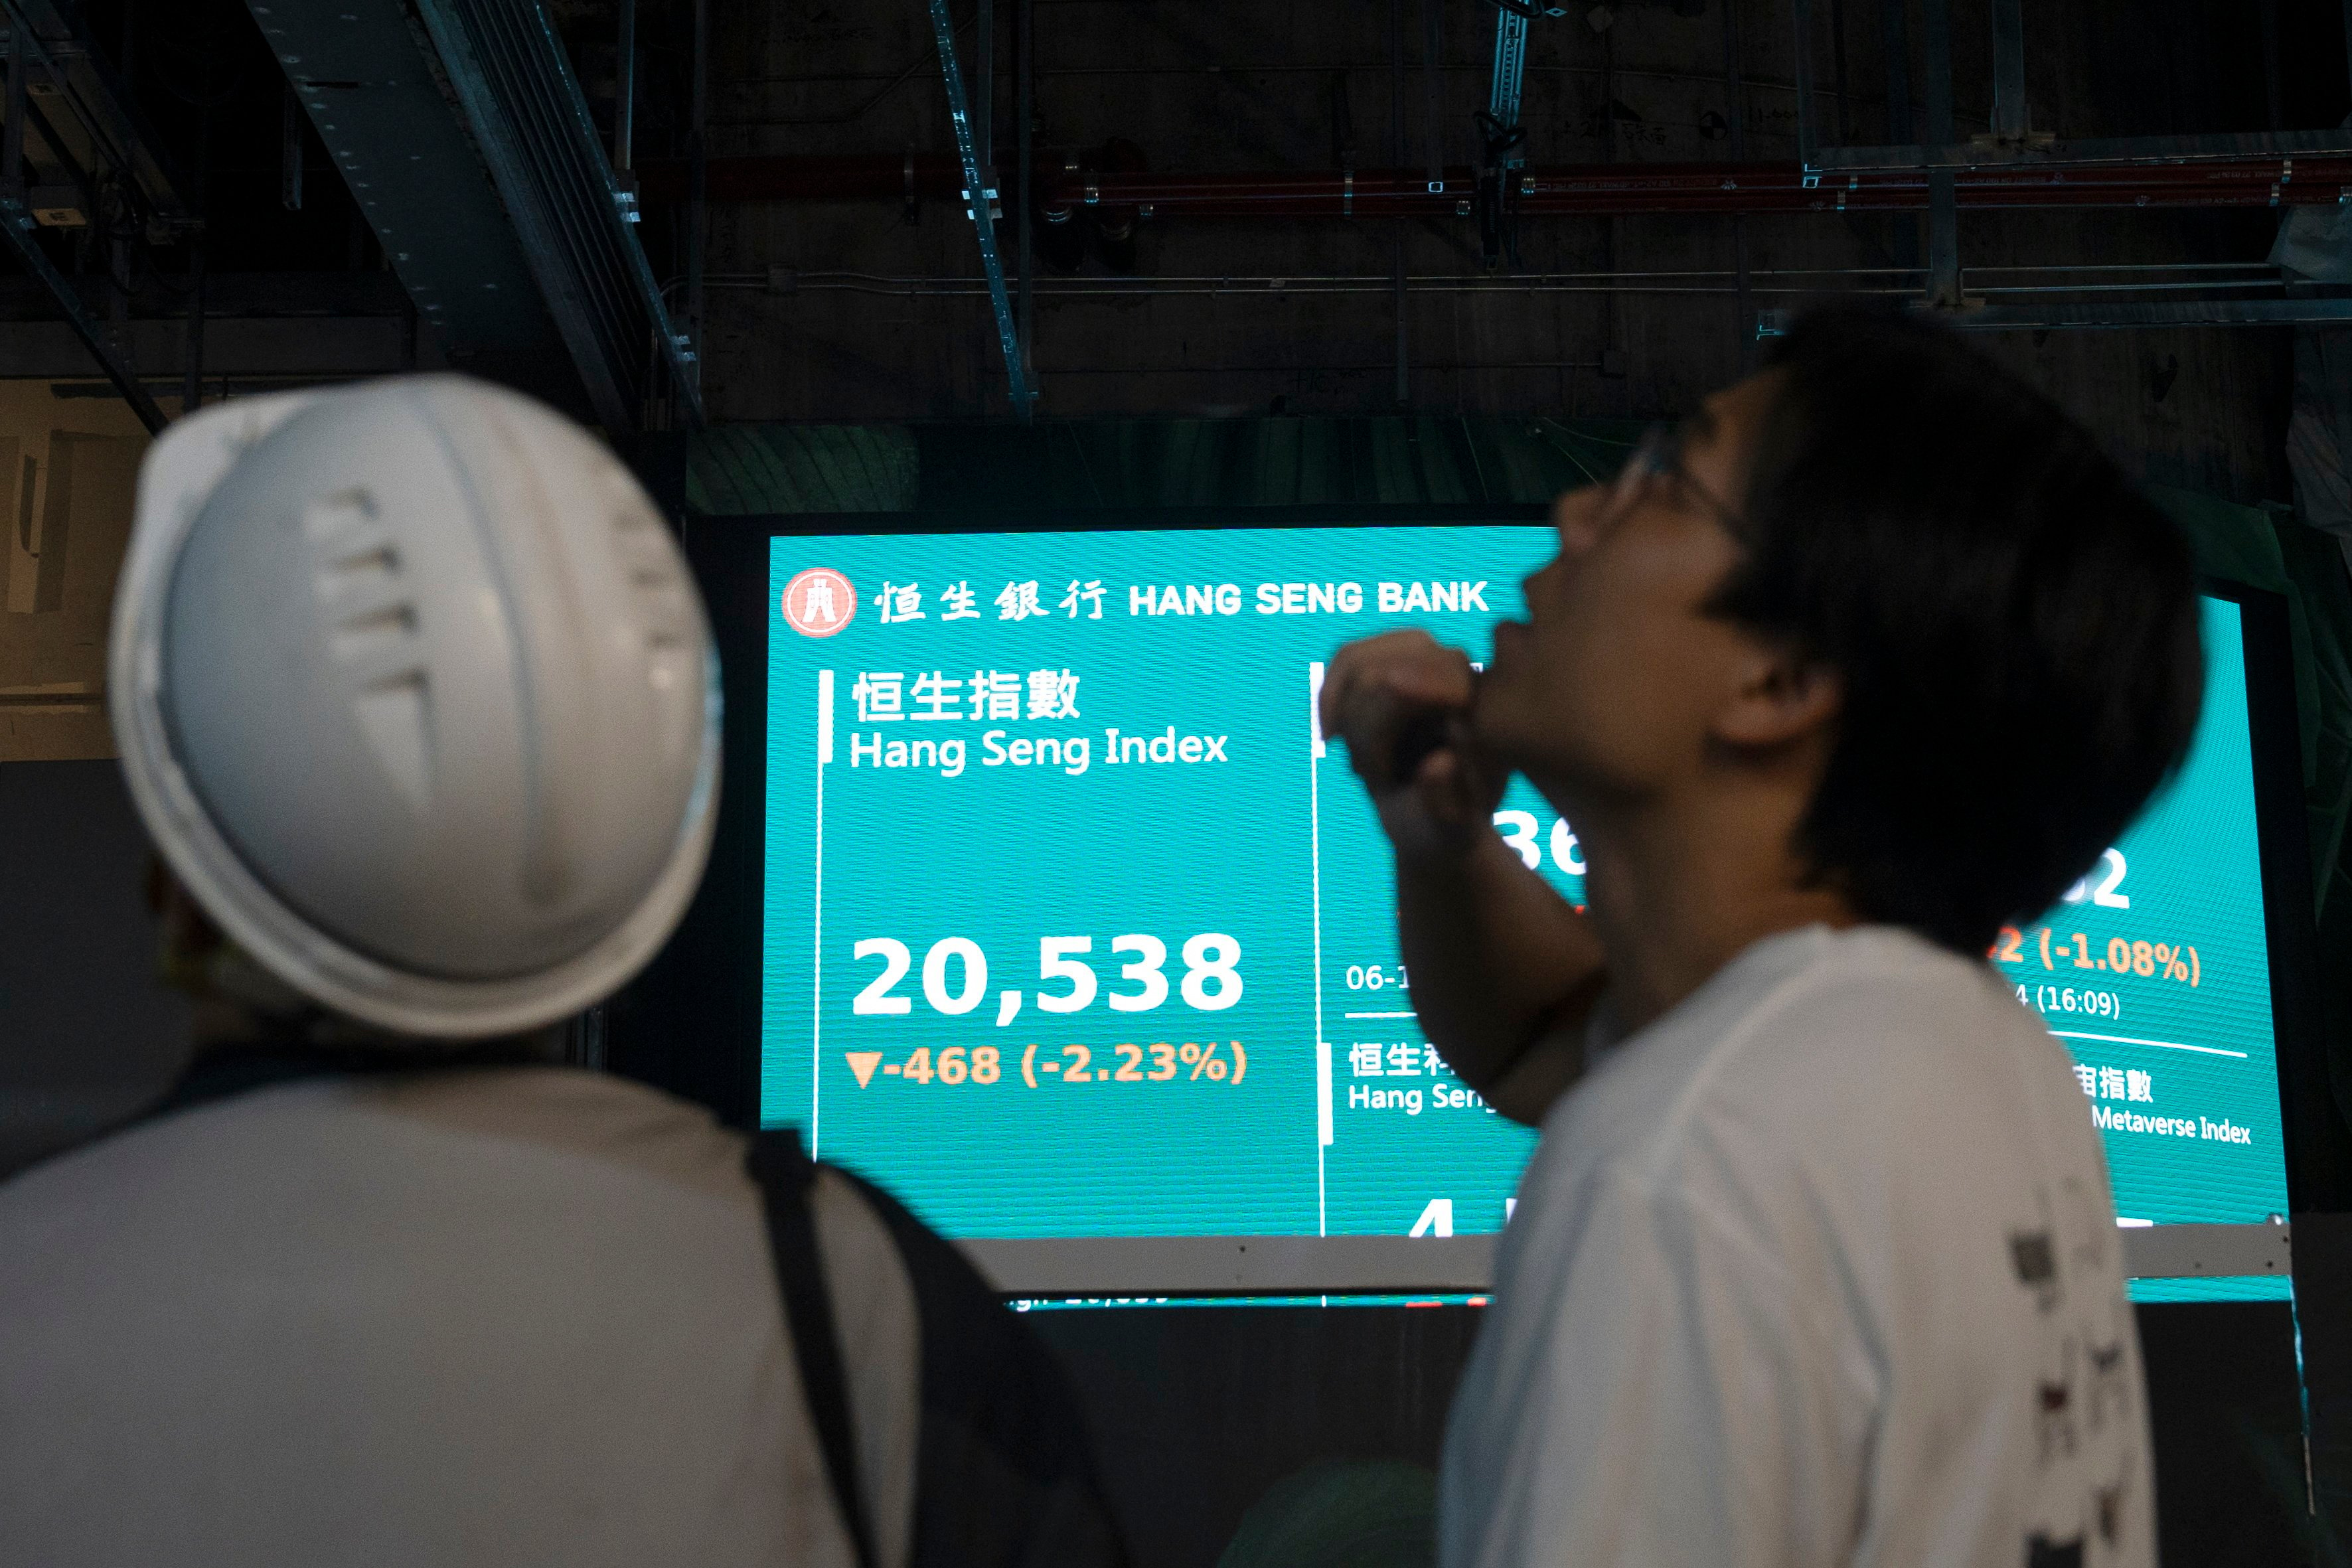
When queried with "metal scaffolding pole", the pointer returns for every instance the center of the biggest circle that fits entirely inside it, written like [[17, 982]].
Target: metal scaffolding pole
[[1736, 99], [2009, 116], [1808, 137], [1433, 109], [2347, 38], [697, 211], [2271, 64], [984, 83], [624, 87], [291, 123], [1837, 60], [983, 100], [975, 196], [1895, 30], [1943, 188], [1396, 121], [191, 372], [23, 234], [1024, 108], [1509, 73]]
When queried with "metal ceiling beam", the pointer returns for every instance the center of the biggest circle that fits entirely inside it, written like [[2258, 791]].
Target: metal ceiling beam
[[1777, 187], [2119, 317], [2197, 173], [283, 350], [366, 81], [532, 127], [2235, 147], [469, 150], [265, 328]]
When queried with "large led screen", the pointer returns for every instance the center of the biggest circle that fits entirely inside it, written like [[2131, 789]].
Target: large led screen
[[1074, 927]]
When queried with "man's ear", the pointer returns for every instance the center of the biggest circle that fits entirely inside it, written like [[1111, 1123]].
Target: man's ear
[[1780, 698]]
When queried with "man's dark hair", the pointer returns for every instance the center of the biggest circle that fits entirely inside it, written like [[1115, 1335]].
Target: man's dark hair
[[2015, 623]]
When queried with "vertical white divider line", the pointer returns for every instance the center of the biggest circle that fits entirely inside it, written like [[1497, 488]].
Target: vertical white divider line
[[1314, 709], [1323, 1091], [1315, 842], [817, 948]]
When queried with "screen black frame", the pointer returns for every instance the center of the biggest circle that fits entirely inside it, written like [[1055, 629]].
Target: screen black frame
[[690, 1024], [2315, 1143]]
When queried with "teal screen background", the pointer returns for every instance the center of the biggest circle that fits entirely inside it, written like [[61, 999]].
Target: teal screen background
[[1296, 1096]]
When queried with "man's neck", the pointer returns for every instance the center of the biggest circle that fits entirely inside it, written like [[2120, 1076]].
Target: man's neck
[[1675, 895]]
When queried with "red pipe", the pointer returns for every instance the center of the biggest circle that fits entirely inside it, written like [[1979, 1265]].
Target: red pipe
[[1592, 189]]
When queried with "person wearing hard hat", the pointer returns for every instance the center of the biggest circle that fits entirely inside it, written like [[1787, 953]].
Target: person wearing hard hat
[[416, 695]]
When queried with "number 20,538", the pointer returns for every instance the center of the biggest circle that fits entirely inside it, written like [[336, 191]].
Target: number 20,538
[[955, 974]]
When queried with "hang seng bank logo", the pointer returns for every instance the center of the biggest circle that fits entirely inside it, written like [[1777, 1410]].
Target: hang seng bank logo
[[819, 602]]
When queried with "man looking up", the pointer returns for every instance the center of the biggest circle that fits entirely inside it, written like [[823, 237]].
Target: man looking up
[[1816, 1260]]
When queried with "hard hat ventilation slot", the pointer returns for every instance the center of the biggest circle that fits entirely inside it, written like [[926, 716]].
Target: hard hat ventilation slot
[[392, 713], [345, 572], [373, 633], [339, 513]]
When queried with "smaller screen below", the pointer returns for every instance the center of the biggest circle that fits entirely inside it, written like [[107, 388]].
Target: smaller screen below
[[1074, 927]]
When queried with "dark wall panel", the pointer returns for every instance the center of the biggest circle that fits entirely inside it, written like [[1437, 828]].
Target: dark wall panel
[[87, 1033]]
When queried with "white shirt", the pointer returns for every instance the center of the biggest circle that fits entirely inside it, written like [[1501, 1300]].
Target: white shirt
[[498, 1316], [1821, 1267]]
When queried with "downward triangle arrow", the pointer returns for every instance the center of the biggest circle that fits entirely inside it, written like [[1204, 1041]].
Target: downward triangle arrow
[[863, 1064]]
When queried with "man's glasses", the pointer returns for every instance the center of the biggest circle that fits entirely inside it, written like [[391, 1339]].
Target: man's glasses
[[1659, 456]]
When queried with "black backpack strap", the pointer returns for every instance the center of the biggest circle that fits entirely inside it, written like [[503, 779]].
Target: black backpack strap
[[787, 1180], [1004, 1474]]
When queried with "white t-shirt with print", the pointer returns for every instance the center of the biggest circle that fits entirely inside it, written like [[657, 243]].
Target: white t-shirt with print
[[1820, 1267]]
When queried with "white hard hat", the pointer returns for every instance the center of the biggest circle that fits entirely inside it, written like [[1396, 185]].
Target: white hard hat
[[415, 691]]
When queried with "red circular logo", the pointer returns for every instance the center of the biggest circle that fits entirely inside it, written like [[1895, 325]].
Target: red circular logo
[[819, 602]]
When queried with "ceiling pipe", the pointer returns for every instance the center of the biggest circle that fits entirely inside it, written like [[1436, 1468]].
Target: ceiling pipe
[[1597, 189]]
